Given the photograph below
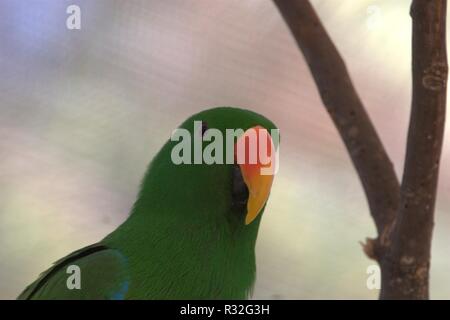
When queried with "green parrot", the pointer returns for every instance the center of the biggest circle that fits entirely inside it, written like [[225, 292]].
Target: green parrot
[[191, 233]]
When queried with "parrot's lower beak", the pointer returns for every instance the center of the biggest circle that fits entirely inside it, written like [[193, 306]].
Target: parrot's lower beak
[[255, 155]]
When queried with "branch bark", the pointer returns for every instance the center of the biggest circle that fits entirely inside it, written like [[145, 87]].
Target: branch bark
[[406, 266], [403, 216]]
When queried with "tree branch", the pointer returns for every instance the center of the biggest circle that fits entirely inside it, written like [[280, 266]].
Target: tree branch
[[406, 270], [403, 216], [328, 69]]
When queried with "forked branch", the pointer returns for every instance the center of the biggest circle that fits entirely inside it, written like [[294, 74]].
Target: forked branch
[[403, 216]]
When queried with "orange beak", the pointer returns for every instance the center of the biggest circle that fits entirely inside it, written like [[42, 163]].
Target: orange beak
[[255, 155]]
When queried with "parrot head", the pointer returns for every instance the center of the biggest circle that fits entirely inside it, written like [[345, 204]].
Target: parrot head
[[196, 218], [213, 189]]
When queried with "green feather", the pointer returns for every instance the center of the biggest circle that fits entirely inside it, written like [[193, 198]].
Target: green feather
[[182, 239], [103, 272]]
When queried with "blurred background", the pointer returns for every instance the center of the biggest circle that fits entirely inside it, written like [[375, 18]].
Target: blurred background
[[82, 112]]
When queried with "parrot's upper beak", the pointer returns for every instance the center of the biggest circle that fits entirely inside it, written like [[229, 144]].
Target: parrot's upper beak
[[255, 155]]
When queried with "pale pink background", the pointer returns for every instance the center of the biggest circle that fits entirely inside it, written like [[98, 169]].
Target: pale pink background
[[83, 112]]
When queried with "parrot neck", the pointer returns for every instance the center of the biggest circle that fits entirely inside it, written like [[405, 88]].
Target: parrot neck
[[184, 260]]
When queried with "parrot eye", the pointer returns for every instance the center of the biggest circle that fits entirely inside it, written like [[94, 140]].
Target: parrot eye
[[204, 127]]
